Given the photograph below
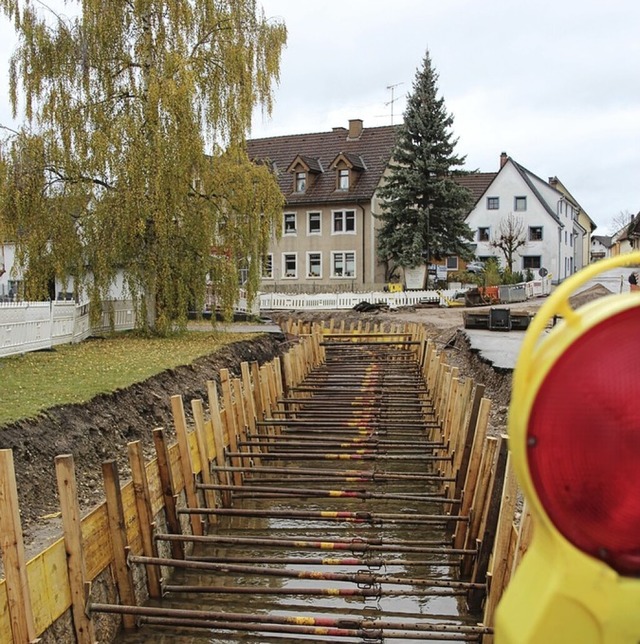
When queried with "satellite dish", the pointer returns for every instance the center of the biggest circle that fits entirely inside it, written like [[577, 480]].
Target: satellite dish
[[543, 272]]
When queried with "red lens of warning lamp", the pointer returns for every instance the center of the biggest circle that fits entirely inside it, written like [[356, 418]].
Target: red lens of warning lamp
[[583, 442]]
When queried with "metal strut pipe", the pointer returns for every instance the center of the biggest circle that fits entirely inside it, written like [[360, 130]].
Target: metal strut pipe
[[318, 592], [331, 515], [339, 494], [372, 475], [213, 617], [286, 456], [362, 578], [358, 544]]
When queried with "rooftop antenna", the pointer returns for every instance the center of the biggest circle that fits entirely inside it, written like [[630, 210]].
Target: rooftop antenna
[[393, 100]]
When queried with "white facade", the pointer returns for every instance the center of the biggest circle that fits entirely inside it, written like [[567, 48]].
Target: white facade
[[548, 217], [600, 247]]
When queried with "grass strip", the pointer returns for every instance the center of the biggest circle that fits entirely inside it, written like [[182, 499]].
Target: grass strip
[[75, 373]]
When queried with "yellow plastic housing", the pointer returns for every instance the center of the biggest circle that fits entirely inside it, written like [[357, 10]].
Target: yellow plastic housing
[[558, 594]]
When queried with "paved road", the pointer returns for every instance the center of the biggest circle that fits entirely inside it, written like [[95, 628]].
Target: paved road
[[501, 348]]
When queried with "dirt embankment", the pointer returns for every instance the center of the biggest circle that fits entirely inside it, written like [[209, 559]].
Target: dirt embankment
[[100, 430]]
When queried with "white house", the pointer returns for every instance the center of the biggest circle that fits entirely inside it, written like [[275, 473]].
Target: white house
[[601, 247], [553, 235]]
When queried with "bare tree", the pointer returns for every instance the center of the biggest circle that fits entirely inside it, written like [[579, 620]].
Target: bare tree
[[510, 237], [621, 220]]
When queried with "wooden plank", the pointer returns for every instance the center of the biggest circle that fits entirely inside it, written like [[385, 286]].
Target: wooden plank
[[145, 516], [476, 513], [96, 541], [180, 424], [198, 419], [469, 438], [471, 478], [525, 533], [68, 493], [257, 392], [168, 491], [475, 597], [501, 545], [13, 556], [49, 583], [117, 530]]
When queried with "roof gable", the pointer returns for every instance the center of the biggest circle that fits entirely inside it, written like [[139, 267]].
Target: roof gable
[[369, 154]]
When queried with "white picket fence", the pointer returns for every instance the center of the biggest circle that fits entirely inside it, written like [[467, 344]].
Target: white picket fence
[[320, 301], [33, 326]]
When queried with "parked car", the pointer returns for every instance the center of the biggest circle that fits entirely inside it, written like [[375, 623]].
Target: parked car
[[475, 267]]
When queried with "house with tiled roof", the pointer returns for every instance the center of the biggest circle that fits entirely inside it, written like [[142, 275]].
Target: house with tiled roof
[[328, 229], [601, 246], [549, 216]]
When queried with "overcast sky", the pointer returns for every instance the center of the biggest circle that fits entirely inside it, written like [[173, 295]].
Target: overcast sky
[[556, 85]]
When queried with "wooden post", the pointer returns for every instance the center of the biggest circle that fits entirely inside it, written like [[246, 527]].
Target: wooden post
[[257, 392], [145, 516], [180, 424], [218, 439], [230, 417], [68, 492], [198, 419], [13, 557], [168, 490], [118, 532]]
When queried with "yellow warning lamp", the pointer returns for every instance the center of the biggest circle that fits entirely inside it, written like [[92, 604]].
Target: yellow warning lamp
[[574, 434]]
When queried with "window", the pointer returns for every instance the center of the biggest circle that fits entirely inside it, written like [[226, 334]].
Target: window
[[519, 204], [344, 221], [290, 265], [493, 203], [483, 234], [314, 223], [535, 233], [267, 267], [314, 264], [343, 264], [452, 263], [301, 181], [343, 179], [531, 262], [290, 227]]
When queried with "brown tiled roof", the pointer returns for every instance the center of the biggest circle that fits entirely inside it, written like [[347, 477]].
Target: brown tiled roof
[[477, 183], [373, 148]]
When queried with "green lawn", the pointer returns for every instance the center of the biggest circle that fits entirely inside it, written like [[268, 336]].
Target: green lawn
[[75, 373]]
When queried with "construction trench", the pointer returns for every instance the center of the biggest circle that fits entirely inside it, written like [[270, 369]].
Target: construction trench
[[344, 492]]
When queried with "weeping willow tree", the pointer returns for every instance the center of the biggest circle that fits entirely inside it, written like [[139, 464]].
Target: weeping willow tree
[[132, 156]]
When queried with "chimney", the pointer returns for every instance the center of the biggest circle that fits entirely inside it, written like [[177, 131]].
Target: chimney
[[355, 129], [503, 159]]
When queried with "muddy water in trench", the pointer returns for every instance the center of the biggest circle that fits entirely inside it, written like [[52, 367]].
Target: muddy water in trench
[[402, 605], [409, 607]]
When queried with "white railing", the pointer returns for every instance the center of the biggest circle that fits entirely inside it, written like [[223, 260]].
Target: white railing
[[33, 326], [319, 301], [275, 301]]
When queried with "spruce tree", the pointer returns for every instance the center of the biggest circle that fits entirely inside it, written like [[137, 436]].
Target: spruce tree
[[423, 208]]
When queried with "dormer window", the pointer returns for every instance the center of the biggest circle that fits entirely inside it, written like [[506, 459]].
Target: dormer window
[[301, 181], [348, 169]]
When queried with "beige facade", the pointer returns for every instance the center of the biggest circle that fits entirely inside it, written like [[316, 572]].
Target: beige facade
[[327, 236]]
